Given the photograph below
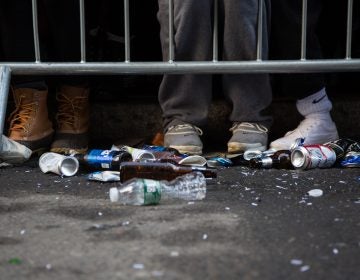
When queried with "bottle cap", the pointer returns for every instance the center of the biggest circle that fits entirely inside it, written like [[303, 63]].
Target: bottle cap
[[114, 194]]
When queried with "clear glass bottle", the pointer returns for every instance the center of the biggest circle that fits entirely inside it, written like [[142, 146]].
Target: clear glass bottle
[[191, 186]]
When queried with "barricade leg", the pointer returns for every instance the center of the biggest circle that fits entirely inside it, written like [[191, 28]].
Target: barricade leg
[[5, 75]]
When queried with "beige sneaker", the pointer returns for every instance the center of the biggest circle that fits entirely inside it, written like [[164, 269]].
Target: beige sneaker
[[184, 138], [248, 136]]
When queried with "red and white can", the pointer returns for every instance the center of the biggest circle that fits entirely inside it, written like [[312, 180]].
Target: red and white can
[[313, 156]]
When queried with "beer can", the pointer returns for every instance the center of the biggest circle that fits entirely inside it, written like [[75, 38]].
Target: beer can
[[313, 156], [58, 164], [340, 146]]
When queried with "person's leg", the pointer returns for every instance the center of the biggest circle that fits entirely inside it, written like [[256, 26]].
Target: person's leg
[[313, 102], [29, 122], [185, 99], [250, 94]]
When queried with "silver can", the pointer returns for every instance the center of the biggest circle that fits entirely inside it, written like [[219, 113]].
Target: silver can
[[58, 164], [312, 156]]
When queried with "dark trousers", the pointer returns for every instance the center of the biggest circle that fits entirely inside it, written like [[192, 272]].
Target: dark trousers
[[186, 98]]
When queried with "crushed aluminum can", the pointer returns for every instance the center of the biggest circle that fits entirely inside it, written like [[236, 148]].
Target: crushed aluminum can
[[136, 154], [58, 164], [340, 146], [219, 161], [249, 154], [104, 176], [313, 156], [352, 159]]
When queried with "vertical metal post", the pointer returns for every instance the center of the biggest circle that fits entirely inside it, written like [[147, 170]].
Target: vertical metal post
[[260, 30], [5, 75], [127, 30], [36, 30], [216, 32], [349, 29], [303, 30], [171, 31], [82, 32]]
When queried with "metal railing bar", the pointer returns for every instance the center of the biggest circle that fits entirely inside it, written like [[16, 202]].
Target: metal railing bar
[[82, 31], [171, 31], [183, 67], [36, 30], [216, 32], [5, 75], [349, 29], [260, 30], [303, 29], [127, 30]]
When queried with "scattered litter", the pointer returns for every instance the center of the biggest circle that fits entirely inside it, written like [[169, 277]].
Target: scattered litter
[[254, 204], [309, 203], [100, 213], [22, 232], [14, 261], [205, 236], [342, 182], [315, 193], [227, 208], [247, 189], [138, 266], [174, 254], [157, 273], [191, 202], [304, 268], [48, 266], [280, 187], [296, 262], [335, 251], [95, 227]]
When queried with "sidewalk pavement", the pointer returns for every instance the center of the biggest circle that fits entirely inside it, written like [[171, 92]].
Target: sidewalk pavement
[[253, 224]]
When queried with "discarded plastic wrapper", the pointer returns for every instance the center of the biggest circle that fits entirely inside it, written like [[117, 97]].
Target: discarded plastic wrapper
[[13, 152], [105, 176], [58, 164], [352, 159], [137, 154]]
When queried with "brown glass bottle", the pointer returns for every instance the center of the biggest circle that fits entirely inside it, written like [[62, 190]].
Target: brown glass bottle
[[160, 170], [280, 160]]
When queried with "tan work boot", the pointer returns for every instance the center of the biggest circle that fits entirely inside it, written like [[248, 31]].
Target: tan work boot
[[72, 120], [29, 122]]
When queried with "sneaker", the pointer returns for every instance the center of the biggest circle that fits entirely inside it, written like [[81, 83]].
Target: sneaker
[[248, 136], [184, 138], [315, 130]]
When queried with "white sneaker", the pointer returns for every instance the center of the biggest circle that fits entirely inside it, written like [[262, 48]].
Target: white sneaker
[[315, 128]]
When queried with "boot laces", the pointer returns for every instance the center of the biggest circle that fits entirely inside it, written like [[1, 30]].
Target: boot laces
[[68, 109], [19, 118]]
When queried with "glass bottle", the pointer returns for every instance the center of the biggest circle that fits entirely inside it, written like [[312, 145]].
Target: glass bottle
[[160, 170], [280, 159]]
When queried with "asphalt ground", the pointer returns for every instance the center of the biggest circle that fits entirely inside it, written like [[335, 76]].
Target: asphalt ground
[[253, 224]]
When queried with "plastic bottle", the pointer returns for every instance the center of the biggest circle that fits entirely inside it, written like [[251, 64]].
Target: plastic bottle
[[280, 159], [104, 159], [191, 186], [159, 170]]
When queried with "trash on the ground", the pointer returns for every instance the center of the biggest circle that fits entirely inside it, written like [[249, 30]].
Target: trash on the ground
[[58, 164], [160, 170], [104, 176], [136, 154], [313, 156], [12, 152], [174, 254], [205, 236], [304, 268], [296, 262], [351, 159], [191, 186], [315, 192], [219, 161], [138, 266], [104, 159]]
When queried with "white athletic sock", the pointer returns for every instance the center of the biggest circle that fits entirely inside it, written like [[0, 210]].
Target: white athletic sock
[[317, 103]]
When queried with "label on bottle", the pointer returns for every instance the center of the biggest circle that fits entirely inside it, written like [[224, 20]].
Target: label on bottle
[[152, 192], [101, 158]]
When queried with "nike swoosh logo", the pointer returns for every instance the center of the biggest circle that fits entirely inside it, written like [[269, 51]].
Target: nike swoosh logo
[[318, 100]]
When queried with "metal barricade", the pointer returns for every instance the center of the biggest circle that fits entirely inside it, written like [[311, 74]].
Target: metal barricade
[[171, 66]]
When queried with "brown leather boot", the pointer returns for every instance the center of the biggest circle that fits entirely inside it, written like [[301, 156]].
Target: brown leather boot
[[72, 120], [29, 122]]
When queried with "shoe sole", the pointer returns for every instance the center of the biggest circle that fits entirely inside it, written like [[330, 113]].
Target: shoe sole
[[235, 147], [189, 150]]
